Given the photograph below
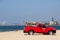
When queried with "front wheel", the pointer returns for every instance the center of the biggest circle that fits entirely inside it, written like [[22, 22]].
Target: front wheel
[[50, 33]]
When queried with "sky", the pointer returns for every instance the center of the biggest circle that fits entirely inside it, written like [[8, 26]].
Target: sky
[[19, 11]]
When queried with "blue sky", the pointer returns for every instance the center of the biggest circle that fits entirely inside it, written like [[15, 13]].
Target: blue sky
[[18, 11]]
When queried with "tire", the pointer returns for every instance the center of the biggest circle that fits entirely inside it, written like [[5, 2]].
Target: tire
[[50, 33], [31, 33], [44, 34]]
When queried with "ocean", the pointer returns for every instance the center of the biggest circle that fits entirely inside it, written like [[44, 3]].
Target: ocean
[[12, 28]]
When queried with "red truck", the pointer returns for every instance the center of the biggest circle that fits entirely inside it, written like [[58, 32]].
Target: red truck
[[36, 27]]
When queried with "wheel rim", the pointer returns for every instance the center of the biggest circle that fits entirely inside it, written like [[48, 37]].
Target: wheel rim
[[31, 32], [50, 32]]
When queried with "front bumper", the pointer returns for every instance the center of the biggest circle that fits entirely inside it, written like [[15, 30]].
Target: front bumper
[[54, 31]]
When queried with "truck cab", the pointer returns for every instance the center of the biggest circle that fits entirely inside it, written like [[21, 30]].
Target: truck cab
[[36, 27]]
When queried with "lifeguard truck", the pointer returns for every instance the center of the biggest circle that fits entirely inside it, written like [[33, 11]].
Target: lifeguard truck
[[35, 27]]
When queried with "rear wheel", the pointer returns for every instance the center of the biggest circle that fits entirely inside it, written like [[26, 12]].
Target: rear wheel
[[44, 34], [31, 33]]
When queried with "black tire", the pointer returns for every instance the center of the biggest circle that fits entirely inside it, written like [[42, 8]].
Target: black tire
[[50, 33], [44, 34], [31, 33]]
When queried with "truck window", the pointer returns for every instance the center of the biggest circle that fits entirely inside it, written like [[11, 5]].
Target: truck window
[[39, 25], [43, 26]]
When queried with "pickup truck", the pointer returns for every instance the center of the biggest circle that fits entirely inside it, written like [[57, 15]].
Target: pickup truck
[[36, 27]]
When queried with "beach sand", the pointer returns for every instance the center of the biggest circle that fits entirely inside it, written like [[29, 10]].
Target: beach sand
[[19, 35]]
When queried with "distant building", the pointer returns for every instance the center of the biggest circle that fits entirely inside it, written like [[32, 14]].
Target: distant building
[[53, 23]]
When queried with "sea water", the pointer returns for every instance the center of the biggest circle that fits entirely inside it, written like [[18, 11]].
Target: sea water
[[12, 28]]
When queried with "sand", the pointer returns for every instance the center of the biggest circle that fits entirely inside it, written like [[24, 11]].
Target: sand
[[19, 35]]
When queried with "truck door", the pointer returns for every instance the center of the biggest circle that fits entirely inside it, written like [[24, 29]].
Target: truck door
[[38, 28], [43, 28]]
